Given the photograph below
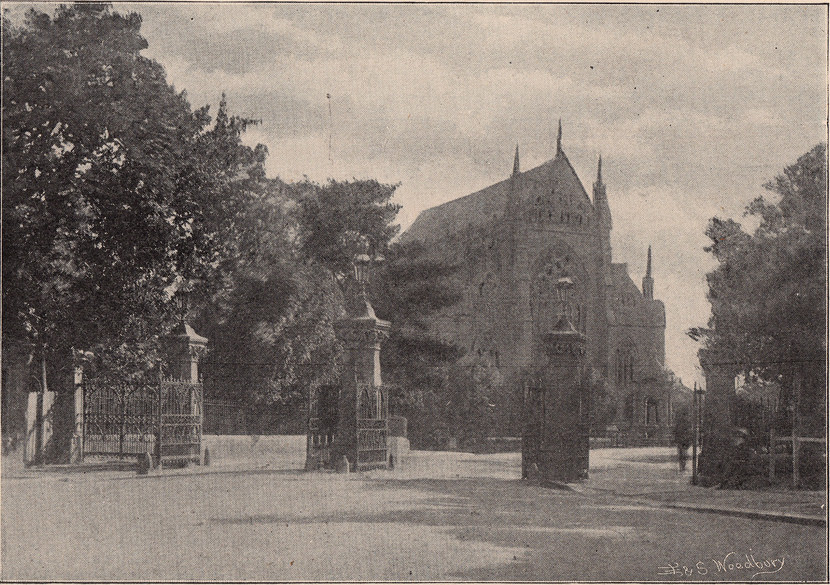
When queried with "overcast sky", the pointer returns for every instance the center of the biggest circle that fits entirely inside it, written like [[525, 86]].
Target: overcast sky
[[693, 108]]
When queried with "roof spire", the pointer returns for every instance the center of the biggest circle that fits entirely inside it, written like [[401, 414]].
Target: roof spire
[[648, 281], [516, 161], [559, 138], [600, 198]]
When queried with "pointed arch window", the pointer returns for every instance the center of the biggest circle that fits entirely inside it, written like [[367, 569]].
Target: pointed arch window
[[625, 363], [652, 412]]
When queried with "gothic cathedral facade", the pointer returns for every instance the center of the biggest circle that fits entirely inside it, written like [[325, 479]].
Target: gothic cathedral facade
[[514, 240]]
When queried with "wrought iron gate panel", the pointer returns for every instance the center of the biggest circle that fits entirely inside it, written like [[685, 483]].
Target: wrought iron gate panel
[[180, 426], [120, 419], [163, 418], [322, 422], [372, 427]]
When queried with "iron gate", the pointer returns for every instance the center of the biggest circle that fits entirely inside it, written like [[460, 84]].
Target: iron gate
[[322, 423], [120, 418], [180, 424], [160, 417], [372, 426]]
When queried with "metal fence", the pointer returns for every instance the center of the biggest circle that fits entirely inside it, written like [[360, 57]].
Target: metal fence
[[229, 417], [225, 417]]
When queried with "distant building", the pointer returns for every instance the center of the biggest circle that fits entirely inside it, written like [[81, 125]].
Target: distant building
[[516, 239]]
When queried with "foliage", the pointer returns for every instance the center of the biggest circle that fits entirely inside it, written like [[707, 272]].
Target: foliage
[[113, 186], [269, 316], [340, 219], [279, 296], [277, 341], [470, 400], [410, 287], [769, 313], [768, 291]]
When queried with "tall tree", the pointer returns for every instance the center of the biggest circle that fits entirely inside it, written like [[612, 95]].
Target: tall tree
[[271, 323], [113, 186], [411, 286], [342, 218], [768, 290]]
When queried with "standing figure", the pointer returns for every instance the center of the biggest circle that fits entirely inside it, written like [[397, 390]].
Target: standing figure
[[683, 436]]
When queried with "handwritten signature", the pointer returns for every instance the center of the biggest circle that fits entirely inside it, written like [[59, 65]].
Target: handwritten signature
[[730, 563]]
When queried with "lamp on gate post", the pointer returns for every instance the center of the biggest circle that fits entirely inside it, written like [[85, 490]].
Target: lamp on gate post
[[359, 440], [182, 300], [696, 400], [361, 269], [359, 304]]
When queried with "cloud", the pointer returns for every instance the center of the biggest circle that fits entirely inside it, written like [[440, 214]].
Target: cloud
[[692, 107], [672, 222]]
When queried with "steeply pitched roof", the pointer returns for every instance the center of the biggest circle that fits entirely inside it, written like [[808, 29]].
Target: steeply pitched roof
[[555, 176]]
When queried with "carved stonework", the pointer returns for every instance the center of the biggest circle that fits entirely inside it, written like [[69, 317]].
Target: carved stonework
[[184, 348], [564, 341], [197, 351], [561, 348]]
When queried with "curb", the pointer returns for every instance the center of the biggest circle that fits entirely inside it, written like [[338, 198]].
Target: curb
[[789, 517], [803, 519]]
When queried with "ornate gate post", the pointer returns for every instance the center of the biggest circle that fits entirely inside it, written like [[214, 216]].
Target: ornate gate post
[[362, 423], [566, 443], [184, 347]]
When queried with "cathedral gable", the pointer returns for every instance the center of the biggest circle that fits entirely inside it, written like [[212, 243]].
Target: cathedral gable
[[552, 191]]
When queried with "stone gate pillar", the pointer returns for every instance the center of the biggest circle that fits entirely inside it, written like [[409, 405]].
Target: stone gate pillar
[[76, 454], [50, 420], [179, 437], [716, 424], [31, 447], [362, 334], [564, 443], [556, 439]]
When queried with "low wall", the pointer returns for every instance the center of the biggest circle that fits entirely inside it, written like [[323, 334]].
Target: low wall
[[398, 448], [275, 451]]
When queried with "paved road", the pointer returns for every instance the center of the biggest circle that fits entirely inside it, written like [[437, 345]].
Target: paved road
[[444, 517]]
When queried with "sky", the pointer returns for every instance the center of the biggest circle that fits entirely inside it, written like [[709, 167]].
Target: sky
[[693, 108]]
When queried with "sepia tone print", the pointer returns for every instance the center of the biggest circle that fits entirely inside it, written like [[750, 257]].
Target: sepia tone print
[[414, 292]]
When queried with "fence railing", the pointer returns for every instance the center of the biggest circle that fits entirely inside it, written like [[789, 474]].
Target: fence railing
[[793, 455], [225, 417]]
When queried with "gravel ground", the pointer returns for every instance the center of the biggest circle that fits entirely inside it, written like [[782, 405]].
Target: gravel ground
[[440, 516]]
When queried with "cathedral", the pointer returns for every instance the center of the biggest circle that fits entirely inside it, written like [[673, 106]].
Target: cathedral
[[514, 241]]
